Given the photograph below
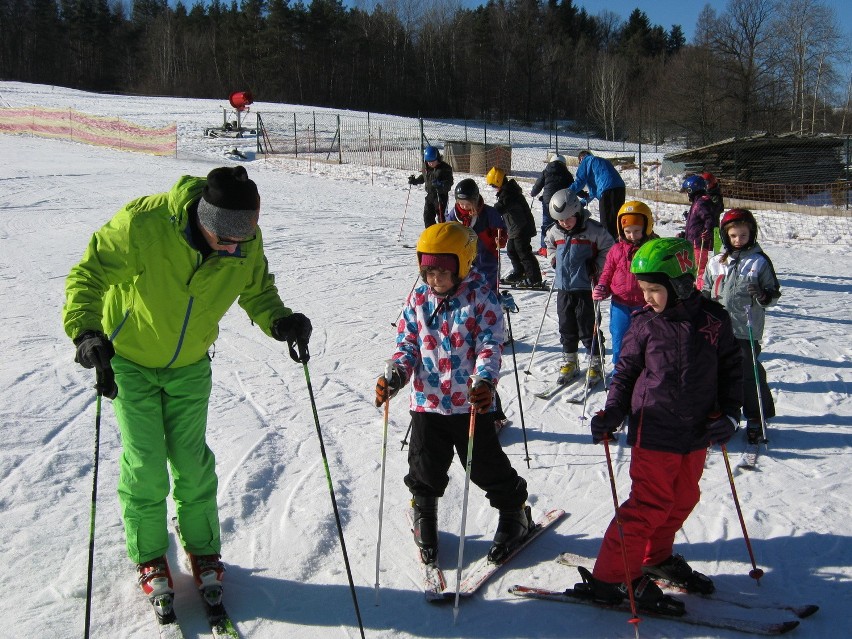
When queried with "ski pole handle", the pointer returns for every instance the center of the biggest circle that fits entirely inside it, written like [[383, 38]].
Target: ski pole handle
[[303, 355]]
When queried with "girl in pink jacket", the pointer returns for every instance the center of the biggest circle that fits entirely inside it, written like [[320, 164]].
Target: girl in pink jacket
[[634, 225]]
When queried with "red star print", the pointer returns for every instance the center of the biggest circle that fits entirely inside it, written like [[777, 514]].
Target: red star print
[[711, 329]]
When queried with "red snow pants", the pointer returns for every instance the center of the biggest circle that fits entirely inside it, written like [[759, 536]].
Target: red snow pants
[[664, 491]]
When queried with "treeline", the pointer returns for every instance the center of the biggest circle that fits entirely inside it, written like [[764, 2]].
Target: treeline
[[759, 65]]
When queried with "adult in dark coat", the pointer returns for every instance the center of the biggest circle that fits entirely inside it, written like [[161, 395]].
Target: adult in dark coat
[[437, 178], [553, 178], [520, 227]]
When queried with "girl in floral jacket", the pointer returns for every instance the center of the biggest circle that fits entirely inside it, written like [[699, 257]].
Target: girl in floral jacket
[[449, 346]]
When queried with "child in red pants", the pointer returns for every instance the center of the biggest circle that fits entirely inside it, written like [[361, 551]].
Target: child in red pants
[[679, 383]]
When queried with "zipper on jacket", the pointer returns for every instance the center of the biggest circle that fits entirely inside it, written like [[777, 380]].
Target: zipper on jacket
[[182, 332]]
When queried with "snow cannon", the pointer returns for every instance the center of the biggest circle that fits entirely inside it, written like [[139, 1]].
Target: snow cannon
[[241, 100], [233, 128]]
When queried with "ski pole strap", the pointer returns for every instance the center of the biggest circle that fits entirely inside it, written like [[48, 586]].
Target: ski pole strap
[[303, 355]]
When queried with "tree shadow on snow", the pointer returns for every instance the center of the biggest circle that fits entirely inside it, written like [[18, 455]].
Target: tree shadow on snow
[[807, 282]]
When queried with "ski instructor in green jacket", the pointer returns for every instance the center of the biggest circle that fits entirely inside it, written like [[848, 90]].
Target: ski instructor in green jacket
[[143, 308]]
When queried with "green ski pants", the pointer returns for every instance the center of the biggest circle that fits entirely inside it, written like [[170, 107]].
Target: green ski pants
[[162, 417]]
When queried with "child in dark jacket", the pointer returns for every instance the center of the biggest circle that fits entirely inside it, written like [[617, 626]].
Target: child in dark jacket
[[472, 211], [577, 247], [742, 277], [449, 346], [520, 227], [553, 178], [437, 178], [679, 384], [635, 226], [701, 221]]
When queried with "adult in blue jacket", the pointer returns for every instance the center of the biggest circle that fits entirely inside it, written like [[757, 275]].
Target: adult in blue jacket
[[602, 181]]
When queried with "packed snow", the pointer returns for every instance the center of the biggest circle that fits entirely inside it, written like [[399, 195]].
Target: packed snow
[[334, 237]]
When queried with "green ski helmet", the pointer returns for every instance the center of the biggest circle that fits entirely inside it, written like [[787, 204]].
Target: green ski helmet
[[669, 261], [670, 256]]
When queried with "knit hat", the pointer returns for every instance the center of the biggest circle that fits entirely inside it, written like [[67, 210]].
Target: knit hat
[[229, 204], [445, 261], [632, 219]]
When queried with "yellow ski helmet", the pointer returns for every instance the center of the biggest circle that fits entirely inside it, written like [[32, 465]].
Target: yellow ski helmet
[[495, 177], [447, 239], [629, 214]]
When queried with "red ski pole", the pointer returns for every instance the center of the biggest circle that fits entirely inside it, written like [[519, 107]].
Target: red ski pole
[[755, 572]]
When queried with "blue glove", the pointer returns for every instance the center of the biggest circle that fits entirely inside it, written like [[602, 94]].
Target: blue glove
[[508, 302], [604, 425], [720, 428]]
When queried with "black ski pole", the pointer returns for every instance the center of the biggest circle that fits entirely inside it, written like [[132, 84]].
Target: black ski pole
[[302, 357], [90, 569], [509, 311], [405, 439]]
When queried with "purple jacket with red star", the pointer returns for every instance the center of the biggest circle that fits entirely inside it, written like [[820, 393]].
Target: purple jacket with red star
[[442, 341], [675, 369]]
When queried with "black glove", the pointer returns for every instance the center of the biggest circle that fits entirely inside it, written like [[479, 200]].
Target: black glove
[[479, 394], [583, 195], [604, 425], [387, 388], [412, 179], [763, 297], [293, 328], [94, 350], [720, 428], [105, 383], [681, 235]]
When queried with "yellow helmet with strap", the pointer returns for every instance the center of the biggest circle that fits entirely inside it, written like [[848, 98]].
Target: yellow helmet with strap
[[449, 239]]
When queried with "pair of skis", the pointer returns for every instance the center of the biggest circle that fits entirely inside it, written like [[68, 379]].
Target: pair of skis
[[435, 583], [763, 618], [217, 617]]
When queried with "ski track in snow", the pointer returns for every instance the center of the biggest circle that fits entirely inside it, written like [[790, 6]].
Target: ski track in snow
[[332, 237]]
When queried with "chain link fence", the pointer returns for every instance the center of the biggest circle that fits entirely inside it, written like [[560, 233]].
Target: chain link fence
[[810, 174]]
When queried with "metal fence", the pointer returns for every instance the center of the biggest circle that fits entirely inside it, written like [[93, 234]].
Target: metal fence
[[809, 173]]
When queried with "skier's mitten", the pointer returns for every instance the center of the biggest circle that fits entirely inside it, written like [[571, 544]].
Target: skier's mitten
[[387, 388], [706, 238], [480, 395], [94, 350], [412, 179], [600, 292], [720, 428], [293, 328], [604, 424]]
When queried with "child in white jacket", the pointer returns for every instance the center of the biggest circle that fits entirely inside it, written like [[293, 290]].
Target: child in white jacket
[[743, 280]]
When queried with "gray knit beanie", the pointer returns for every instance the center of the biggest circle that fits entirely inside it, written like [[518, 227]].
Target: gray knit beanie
[[230, 203]]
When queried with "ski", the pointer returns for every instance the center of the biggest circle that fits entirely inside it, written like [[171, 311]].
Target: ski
[[577, 397], [485, 570], [544, 286], [736, 599], [710, 620], [434, 582], [748, 460], [217, 617], [552, 391], [167, 625], [220, 623]]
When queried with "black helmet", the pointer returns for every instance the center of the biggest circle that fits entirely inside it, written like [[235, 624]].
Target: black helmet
[[467, 190]]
